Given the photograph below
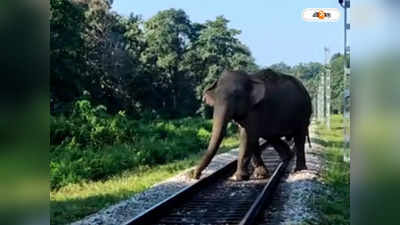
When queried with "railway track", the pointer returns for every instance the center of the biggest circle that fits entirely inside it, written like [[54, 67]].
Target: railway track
[[216, 199]]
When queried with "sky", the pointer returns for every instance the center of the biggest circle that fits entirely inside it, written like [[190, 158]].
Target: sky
[[273, 30]]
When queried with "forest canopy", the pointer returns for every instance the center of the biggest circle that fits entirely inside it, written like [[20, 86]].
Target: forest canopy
[[156, 67]]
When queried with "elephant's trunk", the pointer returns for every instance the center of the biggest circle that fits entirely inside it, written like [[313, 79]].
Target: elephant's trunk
[[220, 120]]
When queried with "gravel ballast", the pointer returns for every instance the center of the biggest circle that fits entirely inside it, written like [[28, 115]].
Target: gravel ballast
[[293, 200], [291, 205]]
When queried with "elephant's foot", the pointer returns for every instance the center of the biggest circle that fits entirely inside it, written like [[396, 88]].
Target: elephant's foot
[[300, 168], [240, 175], [194, 174], [260, 172]]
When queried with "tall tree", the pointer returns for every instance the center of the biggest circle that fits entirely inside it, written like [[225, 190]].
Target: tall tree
[[93, 51], [168, 35], [67, 22]]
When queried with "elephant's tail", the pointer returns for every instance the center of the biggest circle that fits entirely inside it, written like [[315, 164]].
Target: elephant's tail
[[308, 139]]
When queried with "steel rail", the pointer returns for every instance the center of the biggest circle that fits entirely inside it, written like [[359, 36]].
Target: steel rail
[[265, 196], [262, 200], [159, 209]]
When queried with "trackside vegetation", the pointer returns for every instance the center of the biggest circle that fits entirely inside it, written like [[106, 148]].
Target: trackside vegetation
[[92, 145], [334, 204], [97, 159]]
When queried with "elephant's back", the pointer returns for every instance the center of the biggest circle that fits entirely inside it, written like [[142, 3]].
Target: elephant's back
[[287, 102], [287, 105], [268, 75]]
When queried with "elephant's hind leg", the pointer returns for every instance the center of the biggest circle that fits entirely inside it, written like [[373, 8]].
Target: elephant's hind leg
[[300, 141], [260, 170], [282, 148]]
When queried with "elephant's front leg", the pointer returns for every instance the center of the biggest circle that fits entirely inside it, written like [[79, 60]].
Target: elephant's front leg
[[246, 147]]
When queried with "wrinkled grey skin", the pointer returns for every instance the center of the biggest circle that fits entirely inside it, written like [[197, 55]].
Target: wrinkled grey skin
[[267, 104]]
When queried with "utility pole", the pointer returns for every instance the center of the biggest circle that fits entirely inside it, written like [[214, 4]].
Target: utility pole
[[346, 82], [315, 107], [327, 89], [321, 98]]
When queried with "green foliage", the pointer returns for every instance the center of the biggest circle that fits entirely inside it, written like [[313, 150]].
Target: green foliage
[[281, 67], [168, 36], [88, 55], [97, 159], [311, 73], [334, 204], [90, 144], [89, 126], [159, 66], [66, 55]]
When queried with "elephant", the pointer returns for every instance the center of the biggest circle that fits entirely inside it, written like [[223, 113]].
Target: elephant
[[267, 104]]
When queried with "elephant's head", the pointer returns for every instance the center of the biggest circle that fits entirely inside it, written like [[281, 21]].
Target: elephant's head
[[233, 95]]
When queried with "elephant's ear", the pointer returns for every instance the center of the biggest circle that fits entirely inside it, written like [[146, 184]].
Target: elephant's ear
[[209, 94], [257, 91]]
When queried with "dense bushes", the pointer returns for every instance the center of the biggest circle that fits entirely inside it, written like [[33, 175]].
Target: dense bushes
[[89, 126], [90, 144]]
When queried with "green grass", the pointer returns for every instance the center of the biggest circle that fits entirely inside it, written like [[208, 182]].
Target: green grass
[[77, 200], [333, 206]]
